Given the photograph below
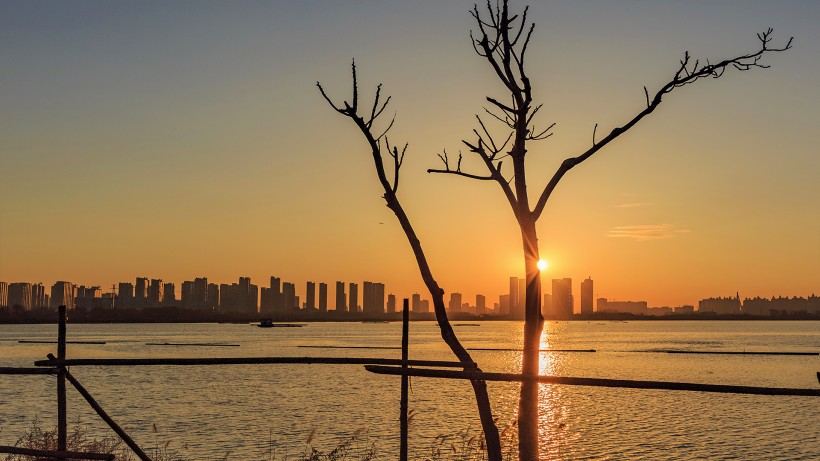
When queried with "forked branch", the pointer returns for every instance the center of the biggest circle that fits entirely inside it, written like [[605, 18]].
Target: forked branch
[[688, 72], [350, 109]]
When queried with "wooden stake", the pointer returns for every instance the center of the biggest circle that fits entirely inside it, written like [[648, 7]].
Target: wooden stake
[[62, 419], [405, 344]]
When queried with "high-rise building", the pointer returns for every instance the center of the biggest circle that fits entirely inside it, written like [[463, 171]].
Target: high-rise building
[[322, 297], [341, 297], [141, 292], [38, 296], [186, 294], [504, 305], [169, 294], [521, 307], [455, 302], [199, 293], [244, 294], [155, 293], [546, 307], [277, 304], [62, 294], [20, 295], [125, 295], [562, 302], [289, 296], [416, 303], [480, 305], [310, 295], [353, 305], [227, 297], [4, 294], [373, 298], [513, 298], [391, 303], [213, 296], [586, 296]]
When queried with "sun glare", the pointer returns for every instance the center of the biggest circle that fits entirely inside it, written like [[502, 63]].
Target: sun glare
[[543, 264]]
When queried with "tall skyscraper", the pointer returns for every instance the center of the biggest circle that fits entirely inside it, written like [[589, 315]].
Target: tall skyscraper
[[186, 294], [62, 294], [546, 307], [4, 294], [521, 306], [20, 295], [38, 296], [415, 303], [277, 304], [169, 294], [455, 302], [513, 298], [373, 298], [199, 293], [141, 292], [504, 305], [354, 298], [586, 296], [289, 296], [341, 297], [480, 305], [125, 295], [155, 292], [322, 297], [391, 303], [310, 295], [227, 297], [562, 301], [213, 296]]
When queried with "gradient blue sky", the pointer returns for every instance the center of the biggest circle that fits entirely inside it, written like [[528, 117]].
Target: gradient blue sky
[[183, 139]]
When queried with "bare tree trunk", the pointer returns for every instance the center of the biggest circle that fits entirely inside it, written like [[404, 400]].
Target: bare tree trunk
[[533, 326], [488, 426]]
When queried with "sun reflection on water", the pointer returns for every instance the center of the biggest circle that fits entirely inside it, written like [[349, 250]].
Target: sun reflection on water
[[554, 412]]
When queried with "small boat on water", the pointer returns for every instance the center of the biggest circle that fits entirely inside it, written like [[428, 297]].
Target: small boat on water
[[268, 323]]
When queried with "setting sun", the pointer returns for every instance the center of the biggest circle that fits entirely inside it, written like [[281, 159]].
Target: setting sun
[[543, 264]]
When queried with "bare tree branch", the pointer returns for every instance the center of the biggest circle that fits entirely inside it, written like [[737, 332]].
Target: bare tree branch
[[686, 74]]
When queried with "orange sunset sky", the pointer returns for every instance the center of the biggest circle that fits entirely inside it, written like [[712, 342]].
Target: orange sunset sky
[[187, 139]]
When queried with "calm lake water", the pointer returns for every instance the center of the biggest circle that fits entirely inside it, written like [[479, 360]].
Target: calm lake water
[[206, 411]]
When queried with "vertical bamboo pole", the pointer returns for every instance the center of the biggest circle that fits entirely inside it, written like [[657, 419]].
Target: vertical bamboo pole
[[405, 328], [62, 424]]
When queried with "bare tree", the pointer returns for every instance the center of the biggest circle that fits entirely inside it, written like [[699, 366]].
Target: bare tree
[[502, 39], [379, 143]]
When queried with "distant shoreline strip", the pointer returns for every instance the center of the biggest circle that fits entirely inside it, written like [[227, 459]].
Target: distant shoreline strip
[[740, 353]]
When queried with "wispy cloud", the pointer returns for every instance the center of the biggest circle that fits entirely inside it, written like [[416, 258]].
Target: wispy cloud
[[643, 232], [631, 205]]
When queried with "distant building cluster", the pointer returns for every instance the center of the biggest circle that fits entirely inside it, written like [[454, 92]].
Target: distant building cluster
[[198, 294], [281, 298]]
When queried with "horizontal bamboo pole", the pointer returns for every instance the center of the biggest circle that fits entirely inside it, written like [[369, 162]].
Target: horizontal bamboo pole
[[55, 454], [252, 361], [741, 353], [521, 350], [27, 371], [599, 382]]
